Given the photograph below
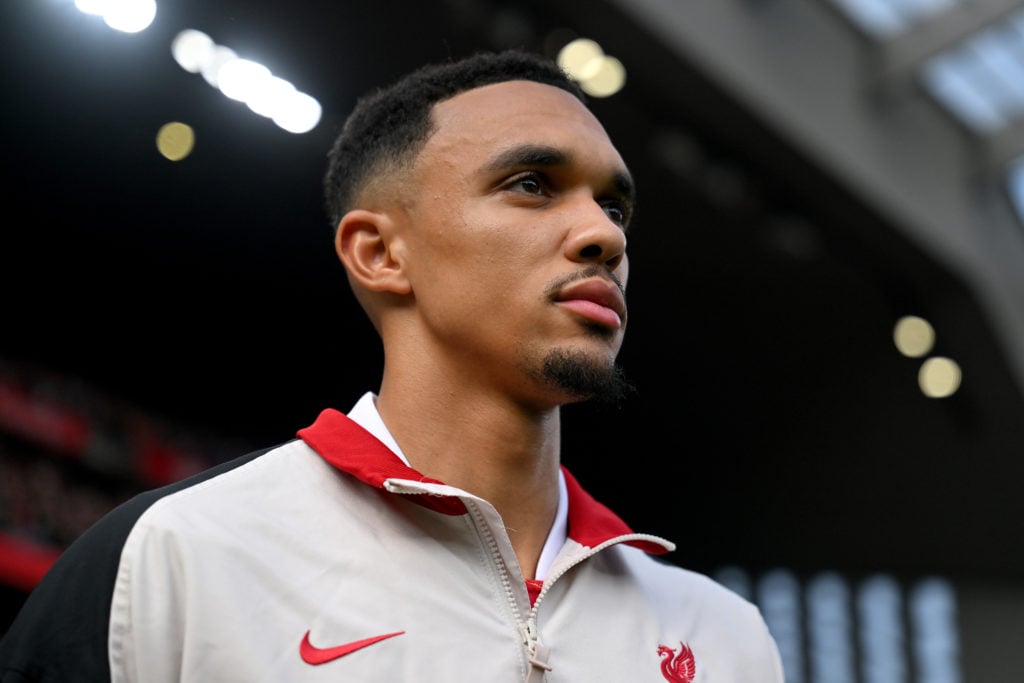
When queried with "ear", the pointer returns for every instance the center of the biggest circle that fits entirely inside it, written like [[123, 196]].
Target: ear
[[367, 245]]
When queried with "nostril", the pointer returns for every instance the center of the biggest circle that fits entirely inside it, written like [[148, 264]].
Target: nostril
[[591, 251]]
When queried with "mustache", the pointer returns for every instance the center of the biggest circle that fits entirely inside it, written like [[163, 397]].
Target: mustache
[[590, 271]]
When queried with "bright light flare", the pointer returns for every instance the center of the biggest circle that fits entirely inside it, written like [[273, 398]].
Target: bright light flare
[[175, 140], [298, 114], [242, 79], [191, 49], [939, 377], [95, 7], [267, 99], [129, 16], [914, 336], [607, 80], [246, 81], [218, 57], [598, 74], [581, 58]]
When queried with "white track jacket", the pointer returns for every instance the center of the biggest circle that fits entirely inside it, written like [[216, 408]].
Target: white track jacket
[[328, 559]]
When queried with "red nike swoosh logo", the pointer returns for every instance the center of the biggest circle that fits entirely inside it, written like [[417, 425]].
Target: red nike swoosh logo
[[317, 655]]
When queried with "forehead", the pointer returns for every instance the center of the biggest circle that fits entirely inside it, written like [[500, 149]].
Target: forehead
[[480, 122]]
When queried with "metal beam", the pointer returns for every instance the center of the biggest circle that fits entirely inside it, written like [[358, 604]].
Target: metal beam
[[899, 58], [1002, 147]]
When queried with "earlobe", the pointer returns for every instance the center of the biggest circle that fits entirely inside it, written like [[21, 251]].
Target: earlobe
[[367, 245]]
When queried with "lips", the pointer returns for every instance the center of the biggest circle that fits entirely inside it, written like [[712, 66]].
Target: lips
[[597, 300]]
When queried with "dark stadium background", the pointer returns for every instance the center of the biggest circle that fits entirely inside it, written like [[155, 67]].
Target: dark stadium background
[[180, 313]]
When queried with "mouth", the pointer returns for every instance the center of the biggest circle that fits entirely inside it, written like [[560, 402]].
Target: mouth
[[596, 299]]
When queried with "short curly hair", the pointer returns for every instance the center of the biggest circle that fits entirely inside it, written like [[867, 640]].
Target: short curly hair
[[389, 126]]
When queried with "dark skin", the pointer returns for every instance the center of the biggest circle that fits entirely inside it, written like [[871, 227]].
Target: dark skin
[[498, 254]]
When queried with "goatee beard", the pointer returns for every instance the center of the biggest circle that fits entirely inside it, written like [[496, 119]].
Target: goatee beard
[[578, 374]]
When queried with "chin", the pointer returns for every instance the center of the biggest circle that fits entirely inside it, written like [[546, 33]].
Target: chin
[[583, 377]]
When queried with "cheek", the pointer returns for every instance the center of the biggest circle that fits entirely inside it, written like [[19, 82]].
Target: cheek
[[496, 277], [502, 241], [486, 247]]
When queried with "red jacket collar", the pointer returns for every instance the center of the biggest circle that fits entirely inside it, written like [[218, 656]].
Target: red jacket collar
[[350, 448]]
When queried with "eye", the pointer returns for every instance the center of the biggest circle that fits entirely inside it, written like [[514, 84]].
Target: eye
[[529, 183], [617, 212]]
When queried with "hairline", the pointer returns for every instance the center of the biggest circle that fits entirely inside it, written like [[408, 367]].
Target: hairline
[[385, 170], [427, 83]]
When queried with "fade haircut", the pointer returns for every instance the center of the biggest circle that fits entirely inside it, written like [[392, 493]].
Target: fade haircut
[[388, 127]]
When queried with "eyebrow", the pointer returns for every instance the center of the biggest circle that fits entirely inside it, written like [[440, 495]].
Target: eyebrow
[[529, 155], [545, 155]]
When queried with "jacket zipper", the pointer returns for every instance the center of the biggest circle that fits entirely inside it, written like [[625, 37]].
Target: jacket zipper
[[536, 652], [579, 558]]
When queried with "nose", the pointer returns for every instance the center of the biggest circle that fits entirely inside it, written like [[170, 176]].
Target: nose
[[596, 238]]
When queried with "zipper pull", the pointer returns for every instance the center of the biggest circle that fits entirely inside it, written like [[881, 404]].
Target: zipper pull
[[537, 654]]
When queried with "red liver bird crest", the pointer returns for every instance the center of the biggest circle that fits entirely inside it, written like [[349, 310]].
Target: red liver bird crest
[[677, 668]]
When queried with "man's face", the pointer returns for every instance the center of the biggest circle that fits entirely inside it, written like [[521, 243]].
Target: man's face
[[515, 226]]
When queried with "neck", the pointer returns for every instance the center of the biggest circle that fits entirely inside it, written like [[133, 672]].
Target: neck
[[488, 446]]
